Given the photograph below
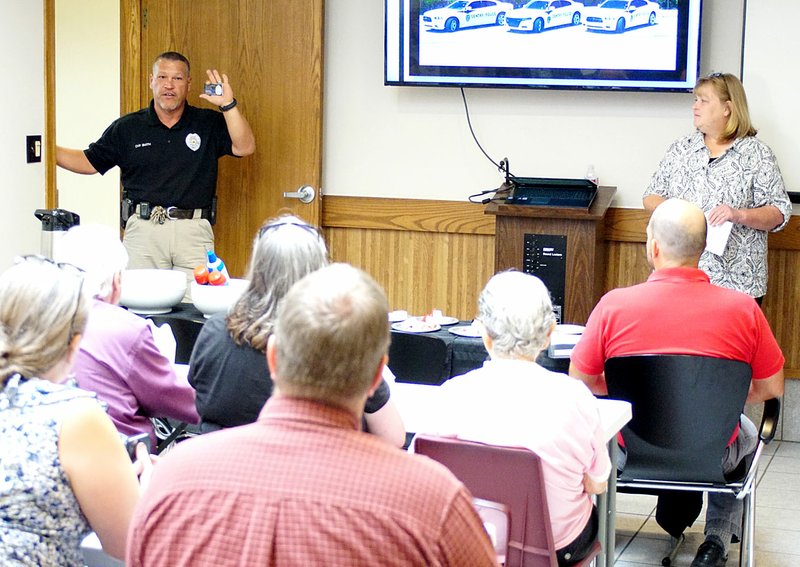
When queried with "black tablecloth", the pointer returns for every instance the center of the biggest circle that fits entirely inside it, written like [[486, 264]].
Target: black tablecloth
[[433, 358], [412, 358], [186, 321]]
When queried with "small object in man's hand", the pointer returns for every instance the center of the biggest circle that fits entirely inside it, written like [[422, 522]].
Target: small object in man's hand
[[213, 89]]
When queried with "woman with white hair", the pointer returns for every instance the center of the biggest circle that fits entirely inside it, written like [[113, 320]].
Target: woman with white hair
[[512, 401], [63, 470], [118, 358], [228, 366]]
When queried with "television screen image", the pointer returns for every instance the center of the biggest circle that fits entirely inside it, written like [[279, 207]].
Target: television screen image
[[561, 44]]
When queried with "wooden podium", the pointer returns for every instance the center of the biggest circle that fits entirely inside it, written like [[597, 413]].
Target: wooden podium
[[572, 241]]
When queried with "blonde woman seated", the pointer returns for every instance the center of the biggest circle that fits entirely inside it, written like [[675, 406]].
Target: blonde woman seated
[[512, 401], [63, 470]]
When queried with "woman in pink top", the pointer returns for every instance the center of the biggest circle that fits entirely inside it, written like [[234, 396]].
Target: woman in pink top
[[512, 401]]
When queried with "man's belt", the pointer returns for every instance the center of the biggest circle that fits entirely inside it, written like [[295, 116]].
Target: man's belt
[[161, 213], [174, 213]]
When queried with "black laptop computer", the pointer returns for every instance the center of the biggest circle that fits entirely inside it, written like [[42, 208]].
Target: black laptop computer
[[550, 192]]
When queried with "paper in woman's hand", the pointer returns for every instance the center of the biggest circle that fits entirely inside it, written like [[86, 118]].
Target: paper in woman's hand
[[717, 237]]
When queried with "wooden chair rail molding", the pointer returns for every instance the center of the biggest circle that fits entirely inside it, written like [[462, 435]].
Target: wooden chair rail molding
[[422, 215], [406, 214], [438, 254]]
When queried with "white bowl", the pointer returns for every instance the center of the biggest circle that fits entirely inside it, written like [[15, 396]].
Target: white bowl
[[211, 299], [151, 291]]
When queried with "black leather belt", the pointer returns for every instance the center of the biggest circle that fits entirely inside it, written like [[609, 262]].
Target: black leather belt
[[176, 213], [145, 211]]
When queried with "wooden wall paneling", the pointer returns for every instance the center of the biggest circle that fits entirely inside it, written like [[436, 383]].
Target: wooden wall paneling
[[626, 265], [420, 271], [782, 305], [626, 225], [788, 238]]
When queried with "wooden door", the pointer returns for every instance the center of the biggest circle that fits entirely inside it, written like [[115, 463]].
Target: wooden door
[[272, 53]]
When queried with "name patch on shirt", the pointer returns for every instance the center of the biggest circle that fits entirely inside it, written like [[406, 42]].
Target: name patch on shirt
[[193, 141], [142, 145]]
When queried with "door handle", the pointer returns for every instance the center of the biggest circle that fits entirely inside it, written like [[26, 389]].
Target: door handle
[[305, 194]]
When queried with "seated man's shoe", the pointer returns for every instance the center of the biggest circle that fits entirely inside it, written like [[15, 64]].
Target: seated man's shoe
[[709, 554]]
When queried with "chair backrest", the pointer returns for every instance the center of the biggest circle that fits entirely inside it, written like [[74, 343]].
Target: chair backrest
[[509, 476], [685, 410], [418, 359]]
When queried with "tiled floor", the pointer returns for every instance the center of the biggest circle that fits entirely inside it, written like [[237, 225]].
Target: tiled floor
[[641, 542]]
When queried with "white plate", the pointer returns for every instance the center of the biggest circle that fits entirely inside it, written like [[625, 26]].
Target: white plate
[[416, 326], [441, 320], [568, 329], [466, 331], [397, 316]]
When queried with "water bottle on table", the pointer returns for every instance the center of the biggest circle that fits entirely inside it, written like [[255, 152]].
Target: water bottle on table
[[217, 272]]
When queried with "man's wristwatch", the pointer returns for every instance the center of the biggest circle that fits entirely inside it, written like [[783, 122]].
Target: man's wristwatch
[[227, 107]]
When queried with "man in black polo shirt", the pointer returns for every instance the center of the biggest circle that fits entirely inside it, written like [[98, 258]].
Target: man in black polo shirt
[[167, 154]]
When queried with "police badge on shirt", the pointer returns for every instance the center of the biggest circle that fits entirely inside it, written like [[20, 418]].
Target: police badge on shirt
[[193, 141]]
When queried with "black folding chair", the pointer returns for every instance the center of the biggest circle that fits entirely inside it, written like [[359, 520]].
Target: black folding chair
[[685, 409]]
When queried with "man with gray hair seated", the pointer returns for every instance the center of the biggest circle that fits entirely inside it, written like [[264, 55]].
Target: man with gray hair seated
[[512, 401], [304, 485], [118, 357]]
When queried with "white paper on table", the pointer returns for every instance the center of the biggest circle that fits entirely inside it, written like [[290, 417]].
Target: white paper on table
[[717, 237], [561, 345], [164, 339]]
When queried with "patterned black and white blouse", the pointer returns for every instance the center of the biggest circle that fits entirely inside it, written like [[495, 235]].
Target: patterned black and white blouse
[[41, 522], [745, 176]]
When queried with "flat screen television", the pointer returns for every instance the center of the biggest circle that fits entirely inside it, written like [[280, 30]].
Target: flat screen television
[[547, 44]]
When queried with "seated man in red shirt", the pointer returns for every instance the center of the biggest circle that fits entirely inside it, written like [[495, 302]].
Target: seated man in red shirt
[[304, 485], [678, 311]]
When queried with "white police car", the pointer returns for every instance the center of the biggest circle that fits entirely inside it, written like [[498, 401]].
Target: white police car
[[538, 15], [465, 13], [619, 15]]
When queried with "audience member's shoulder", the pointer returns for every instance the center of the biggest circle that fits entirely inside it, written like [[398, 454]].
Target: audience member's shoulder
[[216, 323], [735, 298], [119, 314], [208, 448], [414, 469], [461, 381], [616, 295]]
